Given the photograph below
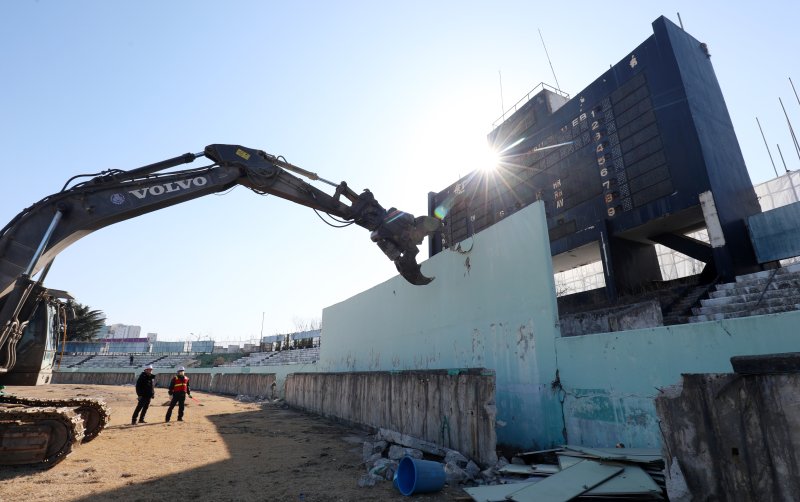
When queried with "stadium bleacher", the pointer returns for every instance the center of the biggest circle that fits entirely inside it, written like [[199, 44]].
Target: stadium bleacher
[[295, 356], [123, 361]]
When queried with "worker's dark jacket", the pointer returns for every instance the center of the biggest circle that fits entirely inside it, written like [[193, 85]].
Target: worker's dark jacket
[[145, 385]]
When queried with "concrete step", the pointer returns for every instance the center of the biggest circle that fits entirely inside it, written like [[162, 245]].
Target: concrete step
[[791, 282], [765, 274], [751, 296], [760, 282], [743, 313], [781, 301]]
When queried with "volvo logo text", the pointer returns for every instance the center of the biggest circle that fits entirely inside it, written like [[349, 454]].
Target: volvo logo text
[[173, 186]]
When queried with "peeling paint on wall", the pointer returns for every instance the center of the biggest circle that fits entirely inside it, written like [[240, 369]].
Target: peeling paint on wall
[[496, 316]]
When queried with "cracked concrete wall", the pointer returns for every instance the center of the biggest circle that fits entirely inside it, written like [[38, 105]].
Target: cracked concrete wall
[[735, 437], [492, 306], [610, 380], [450, 408]]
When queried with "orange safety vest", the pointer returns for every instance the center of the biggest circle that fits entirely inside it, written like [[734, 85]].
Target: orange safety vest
[[180, 385]]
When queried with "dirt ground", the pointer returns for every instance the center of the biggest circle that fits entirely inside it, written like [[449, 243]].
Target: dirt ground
[[224, 450]]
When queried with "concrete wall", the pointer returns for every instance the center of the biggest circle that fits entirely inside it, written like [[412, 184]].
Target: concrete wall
[[105, 378], [454, 409], [249, 384], [279, 373], [636, 316], [735, 437], [609, 381], [492, 305]]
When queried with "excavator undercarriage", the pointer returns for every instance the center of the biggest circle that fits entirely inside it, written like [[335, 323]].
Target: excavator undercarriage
[[44, 431]]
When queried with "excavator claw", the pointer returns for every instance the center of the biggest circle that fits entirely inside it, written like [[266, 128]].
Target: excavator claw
[[398, 237]]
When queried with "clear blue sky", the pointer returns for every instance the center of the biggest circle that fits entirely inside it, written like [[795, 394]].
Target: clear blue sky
[[394, 97]]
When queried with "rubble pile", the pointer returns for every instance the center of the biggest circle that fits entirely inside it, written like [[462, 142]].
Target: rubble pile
[[557, 474], [381, 457]]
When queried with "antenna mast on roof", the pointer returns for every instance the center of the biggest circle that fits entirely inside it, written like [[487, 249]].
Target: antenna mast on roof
[[502, 106], [782, 159], [548, 60], [765, 144], [791, 129]]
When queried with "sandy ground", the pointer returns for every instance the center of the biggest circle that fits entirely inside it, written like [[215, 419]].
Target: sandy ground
[[224, 450]]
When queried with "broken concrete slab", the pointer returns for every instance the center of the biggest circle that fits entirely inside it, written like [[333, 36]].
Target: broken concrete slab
[[411, 442], [567, 484], [397, 452], [496, 493]]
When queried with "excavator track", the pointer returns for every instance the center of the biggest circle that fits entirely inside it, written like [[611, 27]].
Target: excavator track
[[37, 435], [94, 412]]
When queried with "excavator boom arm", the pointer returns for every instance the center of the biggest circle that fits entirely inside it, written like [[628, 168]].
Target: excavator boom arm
[[35, 236]]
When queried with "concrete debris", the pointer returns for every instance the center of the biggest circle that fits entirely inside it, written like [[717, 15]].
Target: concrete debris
[[472, 470], [373, 447], [381, 458], [398, 452], [372, 460], [244, 398], [490, 476], [368, 480], [574, 472], [384, 468], [454, 474], [411, 442], [454, 457]]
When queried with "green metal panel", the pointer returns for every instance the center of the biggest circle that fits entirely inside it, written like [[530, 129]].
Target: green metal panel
[[568, 483]]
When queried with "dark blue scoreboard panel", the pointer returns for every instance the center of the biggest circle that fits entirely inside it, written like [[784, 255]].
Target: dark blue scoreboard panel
[[637, 145]]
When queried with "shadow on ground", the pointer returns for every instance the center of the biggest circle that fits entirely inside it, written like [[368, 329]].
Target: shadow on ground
[[276, 454]]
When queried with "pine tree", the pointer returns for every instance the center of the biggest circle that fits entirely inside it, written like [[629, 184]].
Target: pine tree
[[85, 323]]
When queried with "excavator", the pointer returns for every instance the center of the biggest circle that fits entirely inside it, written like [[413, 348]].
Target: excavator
[[32, 317]]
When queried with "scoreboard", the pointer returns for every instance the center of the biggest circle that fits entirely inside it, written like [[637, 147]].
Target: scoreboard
[[637, 145]]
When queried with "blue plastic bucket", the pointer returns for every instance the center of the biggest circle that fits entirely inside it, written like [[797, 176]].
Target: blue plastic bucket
[[419, 476]]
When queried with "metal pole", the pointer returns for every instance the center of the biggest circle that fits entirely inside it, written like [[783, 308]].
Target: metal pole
[[791, 130], [795, 91], [502, 105], [43, 244], [765, 144], [784, 162], [548, 60]]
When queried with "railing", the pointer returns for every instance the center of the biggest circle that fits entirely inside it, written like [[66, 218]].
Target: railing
[[539, 87]]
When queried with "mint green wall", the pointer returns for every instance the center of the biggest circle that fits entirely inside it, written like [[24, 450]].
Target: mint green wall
[[492, 306], [610, 380]]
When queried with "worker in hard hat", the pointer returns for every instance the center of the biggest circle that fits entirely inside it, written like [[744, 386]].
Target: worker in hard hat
[[178, 389], [145, 391]]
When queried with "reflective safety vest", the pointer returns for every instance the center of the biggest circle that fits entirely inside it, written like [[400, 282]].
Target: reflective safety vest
[[180, 384]]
